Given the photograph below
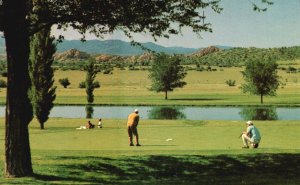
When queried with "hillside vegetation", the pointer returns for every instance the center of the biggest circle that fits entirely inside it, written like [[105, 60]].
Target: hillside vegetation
[[212, 55], [238, 56]]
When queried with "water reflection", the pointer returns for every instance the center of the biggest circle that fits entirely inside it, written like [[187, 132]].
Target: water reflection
[[175, 112], [166, 113], [254, 113], [89, 111]]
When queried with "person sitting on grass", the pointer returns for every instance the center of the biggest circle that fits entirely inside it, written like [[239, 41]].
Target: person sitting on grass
[[89, 125], [251, 136]]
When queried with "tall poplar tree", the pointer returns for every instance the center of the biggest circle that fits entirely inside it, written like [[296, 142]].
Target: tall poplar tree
[[42, 91], [89, 81]]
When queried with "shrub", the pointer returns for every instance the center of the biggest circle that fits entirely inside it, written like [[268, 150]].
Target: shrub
[[291, 69], [96, 84], [3, 73], [107, 71], [199, 67], [64, 82], [81, 85], [230, 82], [3, 83]]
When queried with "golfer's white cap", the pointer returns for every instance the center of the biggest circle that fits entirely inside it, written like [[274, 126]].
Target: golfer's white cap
[[136, 110], [249, 123]]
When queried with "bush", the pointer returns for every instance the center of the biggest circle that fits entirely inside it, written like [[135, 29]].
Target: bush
[[208, 68], [291, 69], [3, 84], [107, 71], [3, 73], [64, 82], [81, 85], [199, 67], [230, 82], [96, 84]]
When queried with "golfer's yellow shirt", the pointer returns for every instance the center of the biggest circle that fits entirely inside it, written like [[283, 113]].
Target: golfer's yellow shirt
[[133, 119]]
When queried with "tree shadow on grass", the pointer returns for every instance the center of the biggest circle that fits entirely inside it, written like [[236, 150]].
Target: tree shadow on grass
[[196, 99], [183, 169]]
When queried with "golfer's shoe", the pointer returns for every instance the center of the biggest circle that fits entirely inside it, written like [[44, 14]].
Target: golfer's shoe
[[245, 147], [138, 144], [255, 145], [131, 144]]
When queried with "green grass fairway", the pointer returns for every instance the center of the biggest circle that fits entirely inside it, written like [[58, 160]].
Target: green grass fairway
[[200, 152], [172, 152]]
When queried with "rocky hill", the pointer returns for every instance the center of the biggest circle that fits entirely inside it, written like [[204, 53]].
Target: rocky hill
[[76, 55], [205, 51], [70, 55]]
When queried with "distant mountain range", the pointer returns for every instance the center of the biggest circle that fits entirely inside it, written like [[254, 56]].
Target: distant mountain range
[[115, 47], [118, 47]]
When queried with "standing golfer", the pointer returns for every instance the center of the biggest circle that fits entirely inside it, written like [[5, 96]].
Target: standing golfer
[[251, 136], [132, 123]]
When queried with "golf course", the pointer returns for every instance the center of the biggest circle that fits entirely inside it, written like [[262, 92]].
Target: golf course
[[149, 92], [172, 151]]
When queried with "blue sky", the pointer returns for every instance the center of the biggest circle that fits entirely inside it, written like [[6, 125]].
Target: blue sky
[[237, 25]]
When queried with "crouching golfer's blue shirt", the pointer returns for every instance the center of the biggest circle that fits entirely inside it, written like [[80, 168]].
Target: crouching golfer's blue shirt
[[254, 133]]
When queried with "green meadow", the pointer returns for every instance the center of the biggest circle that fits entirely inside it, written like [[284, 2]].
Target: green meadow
[[125, 87], [172, 151]]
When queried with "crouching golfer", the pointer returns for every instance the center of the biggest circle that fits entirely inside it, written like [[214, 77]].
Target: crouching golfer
[[132, 123], [251, 136]]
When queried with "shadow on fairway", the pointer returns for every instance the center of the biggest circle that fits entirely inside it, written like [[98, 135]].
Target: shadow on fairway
[[196, 99], [189, 169]]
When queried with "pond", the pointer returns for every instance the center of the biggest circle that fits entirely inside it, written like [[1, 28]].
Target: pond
[[176, 112]]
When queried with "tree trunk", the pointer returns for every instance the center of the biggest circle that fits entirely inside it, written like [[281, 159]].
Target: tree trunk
[[42, 125], [166, 95], [261, 99], [18, 107]]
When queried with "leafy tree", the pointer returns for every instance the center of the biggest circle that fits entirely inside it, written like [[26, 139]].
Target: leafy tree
[[260, 77], [42, 92], [98, 17], [89, 81], [166, 74], [64, 82]]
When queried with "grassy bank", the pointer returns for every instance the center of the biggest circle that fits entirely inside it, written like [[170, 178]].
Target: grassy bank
[[199, 152]]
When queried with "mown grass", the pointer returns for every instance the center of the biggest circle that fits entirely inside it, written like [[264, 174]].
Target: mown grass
[[200, 152], [126, 87]]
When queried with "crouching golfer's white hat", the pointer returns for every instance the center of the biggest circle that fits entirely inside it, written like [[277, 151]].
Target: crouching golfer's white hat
[[249, 123], [136, 110]]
